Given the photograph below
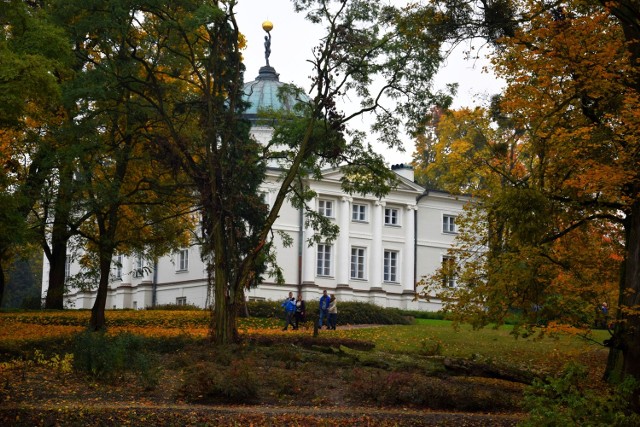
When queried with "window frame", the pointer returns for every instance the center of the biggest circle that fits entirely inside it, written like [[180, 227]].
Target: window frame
[[326, 205], [449, 225], [358, 263], [183, 260], [359, 212], [390, 262], [181, 300], [324, 260], [391, 217], [448, 281], [117, 265]]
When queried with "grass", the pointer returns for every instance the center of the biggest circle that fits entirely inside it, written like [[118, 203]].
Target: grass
[[283, 367], [488, 344]]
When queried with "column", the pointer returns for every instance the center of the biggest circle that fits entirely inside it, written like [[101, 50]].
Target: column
[[308, 253], [343, 254], [408, 256], [375, 260]]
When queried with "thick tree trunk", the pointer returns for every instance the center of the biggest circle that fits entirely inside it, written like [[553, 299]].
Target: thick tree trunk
[[2, 283], [59, 238], [624, 355], [57, 276], [98, 319]]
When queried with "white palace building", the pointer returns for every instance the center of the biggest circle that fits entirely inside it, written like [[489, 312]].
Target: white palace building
[[384, 247]]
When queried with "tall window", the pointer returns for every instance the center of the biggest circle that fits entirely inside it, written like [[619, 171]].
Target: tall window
[[67, 268], [448, 272], [118, 267], [325, 207], [359, 213], [391, 216], [183, 260], [390, 266], [357, 263], [138, 270], [323, 267], [449, 224]]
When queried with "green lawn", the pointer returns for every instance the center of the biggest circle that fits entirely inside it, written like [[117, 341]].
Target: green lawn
[[438, 337]]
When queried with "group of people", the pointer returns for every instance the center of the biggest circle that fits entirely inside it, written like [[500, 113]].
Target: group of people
[[295, 311]]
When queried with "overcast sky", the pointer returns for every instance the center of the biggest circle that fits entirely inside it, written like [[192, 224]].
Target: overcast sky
[[293, 38]]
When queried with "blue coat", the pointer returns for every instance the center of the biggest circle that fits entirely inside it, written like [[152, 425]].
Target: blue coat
[[324, 302], [289, 305]]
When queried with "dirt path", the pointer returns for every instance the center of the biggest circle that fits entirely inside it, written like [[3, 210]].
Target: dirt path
[[262, 415]]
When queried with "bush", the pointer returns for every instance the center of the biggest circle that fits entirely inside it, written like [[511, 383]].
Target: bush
[[175, 307], [349, 312], [207, 382], [569, 400], [106, 357]]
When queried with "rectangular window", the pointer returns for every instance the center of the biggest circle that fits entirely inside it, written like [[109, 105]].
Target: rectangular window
[[359, 213], [449, 224], [390, 266], [135, 305], [448, 272], [324, 260], [391, 216], [181, 301], [67, 268], [118, 267], [183, 260], [138, 270], [357, 263], [325, 207]]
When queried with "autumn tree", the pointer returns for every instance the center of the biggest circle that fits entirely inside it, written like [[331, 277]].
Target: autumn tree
[[33, 53], [572, 96], [127, 200], [193, 83]]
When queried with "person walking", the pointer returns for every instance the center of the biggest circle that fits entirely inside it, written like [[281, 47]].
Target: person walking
[[324, 309], [289, 310], [333, 312], [300, 311]]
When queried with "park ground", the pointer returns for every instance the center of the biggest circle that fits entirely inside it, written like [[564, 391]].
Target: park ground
[[159, 368]]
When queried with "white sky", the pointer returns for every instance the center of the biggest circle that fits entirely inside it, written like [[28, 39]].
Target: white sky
[[293, 38]]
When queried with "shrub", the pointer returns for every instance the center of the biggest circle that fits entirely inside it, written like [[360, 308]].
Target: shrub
[[349, 312], [206, 382], [106, 357], [175, 307], [569, 400]]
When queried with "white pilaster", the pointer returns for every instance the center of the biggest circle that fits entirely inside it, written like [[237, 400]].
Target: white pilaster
[[343, 255], [308, 253], [408, 256], [376, 244]]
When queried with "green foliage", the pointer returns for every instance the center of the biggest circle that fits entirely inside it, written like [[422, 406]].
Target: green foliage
[[349, 312], [107, 358], [568, 400]]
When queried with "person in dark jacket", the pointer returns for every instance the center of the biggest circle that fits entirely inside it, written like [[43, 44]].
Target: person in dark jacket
[[300, 311], [324, 309], [289, 310]]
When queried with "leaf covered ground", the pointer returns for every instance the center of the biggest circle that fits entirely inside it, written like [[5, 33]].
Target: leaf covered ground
[[272, 378]]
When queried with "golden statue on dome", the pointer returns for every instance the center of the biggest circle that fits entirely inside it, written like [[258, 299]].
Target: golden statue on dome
[[267, 26]]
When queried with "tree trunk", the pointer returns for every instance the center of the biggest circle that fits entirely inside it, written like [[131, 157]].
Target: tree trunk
[[98, 320], [59, 238], [2, 282], [630, 297], [624, 354], [57, 276]]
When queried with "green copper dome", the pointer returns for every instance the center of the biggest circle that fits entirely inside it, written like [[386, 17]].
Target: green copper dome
[[262, 93]]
